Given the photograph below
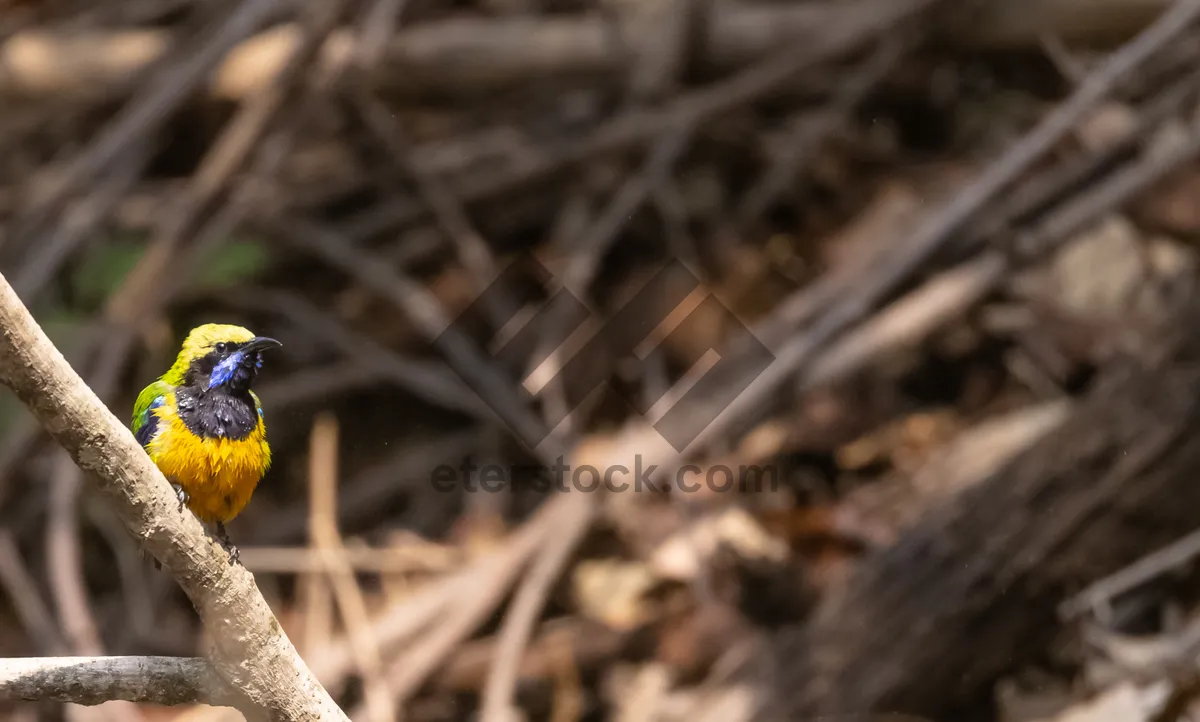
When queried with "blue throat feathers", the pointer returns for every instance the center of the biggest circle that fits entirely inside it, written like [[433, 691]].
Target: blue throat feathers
[[234, 370], [225, 370]]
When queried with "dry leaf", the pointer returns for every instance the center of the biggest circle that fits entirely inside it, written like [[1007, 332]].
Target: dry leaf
[[682, 556], [1096, 274], [613, 592], [904, 444]]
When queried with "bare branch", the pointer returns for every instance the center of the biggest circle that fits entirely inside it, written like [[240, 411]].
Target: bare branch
[[94, 680], [251, 651]]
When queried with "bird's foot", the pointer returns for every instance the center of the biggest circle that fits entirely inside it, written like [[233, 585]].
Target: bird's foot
[[223, 536], [181, 495]]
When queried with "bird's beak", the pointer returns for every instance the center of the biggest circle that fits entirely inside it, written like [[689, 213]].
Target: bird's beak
[[260, 343]]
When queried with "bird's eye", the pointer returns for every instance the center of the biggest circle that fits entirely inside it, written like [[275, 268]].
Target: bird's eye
[[221, 347]]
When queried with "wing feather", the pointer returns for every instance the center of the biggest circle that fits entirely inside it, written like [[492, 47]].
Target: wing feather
[[145, 421]]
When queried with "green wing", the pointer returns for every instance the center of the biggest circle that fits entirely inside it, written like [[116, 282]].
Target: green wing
[[145, 422], [266, 448]]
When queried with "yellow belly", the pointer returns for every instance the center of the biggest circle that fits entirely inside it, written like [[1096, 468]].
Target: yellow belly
[[219, 475]]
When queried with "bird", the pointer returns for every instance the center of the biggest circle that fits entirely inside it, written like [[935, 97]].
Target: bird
[[203, 426]]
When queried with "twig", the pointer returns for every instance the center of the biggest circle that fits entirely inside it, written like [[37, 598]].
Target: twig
[[473, 250], [424, 311], [672, 210], [931, 236], [251, 650], [585, 258], [923, 310], [1023, 24], [809, 132], [432, 381], [500, 691], [378, 26], [27, 602], [1056, 185], [154, 102], [1113, 192], [487, 586], [904, 323], [569, 695], [464, 56], [638, 124], [1019, 158], [78, 224], [373, 487], [988, 269], [581, 643], [138, 604], [316, 598], [940, 227], [64, 564], [1057, 52], [480, 585], [1157, 563], [226, 156], [326, 383], [909, 319], [96, 680], [19, 441], [323, 478], [62, 529]]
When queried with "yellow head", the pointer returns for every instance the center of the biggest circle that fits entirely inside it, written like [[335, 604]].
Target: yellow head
[[216, 355]]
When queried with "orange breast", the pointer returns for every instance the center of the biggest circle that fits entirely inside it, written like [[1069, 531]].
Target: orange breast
[[219, 475]]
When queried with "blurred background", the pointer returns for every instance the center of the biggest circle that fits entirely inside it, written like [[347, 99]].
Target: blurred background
[[966, 233]]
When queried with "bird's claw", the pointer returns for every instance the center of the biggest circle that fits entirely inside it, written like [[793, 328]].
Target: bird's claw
[[181, 495], [223, 536]]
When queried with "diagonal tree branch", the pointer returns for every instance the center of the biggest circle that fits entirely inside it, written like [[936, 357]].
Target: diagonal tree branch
[[251, 651]]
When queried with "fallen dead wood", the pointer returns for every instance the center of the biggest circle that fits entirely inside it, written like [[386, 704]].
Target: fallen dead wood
[[927, 626], [1026, 23], [467, 56]]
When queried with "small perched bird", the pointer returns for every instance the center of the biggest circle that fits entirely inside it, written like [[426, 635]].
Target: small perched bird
[[203, 426]]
